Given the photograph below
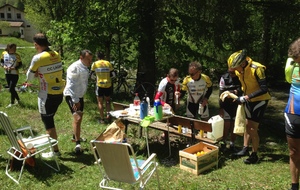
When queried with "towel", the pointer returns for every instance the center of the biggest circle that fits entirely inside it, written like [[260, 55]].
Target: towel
[[240, 118], [227, 94]]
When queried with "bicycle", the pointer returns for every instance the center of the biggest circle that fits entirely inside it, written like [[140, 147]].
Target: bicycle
[[124, 86]]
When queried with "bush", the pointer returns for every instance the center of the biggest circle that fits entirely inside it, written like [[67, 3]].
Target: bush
[[15, 34]]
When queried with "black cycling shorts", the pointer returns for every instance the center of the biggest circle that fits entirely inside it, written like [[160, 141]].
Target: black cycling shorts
[[100, 92], [71, 103], [255, 110], [292, 125], [51, 106]]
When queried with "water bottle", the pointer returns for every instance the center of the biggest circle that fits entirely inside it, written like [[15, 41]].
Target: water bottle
[[200, 110], [136, 100], [157, 110], [144, 108]]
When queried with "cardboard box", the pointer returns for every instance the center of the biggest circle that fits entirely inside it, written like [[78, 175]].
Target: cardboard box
[[197, 164]]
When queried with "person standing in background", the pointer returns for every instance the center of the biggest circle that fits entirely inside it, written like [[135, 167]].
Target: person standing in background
[[292, 111], [104, 73], [229, 82], [11, 62], [199, 88], [76, 86], [255, 97], [47, 67]]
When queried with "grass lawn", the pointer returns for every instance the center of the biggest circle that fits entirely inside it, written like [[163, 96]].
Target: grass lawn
[[79, 172]]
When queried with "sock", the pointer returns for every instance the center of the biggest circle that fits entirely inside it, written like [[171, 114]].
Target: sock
[[295, 186]]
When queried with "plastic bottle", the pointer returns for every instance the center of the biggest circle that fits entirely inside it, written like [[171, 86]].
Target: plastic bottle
[[179, 129], [136, 100], [144, 107], [200, 110], [157, 110]]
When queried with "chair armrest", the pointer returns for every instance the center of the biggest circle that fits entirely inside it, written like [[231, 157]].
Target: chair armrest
[[152, 157], [40, 140], [23, 128]]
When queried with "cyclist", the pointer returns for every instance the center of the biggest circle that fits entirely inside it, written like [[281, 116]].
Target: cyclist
[[47, 66], [256, 96], [228, 82], [76, 86], [292, 111], [104, 72], [199, 88], [169, 89], [11, 62]]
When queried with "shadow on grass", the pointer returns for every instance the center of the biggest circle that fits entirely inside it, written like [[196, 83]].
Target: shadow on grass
[[44, 173], [86, 158]]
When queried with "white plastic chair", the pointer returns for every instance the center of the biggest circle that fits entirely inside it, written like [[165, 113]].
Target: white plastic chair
[[119, 166], [20, 147]]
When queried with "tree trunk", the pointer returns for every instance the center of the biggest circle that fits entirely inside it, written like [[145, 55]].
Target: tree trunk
[[146, 61]]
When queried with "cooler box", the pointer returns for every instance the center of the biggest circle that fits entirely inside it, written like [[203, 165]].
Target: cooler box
[[197, 164]]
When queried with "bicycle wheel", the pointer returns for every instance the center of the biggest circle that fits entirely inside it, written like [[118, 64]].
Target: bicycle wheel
[[121, 87], [146, 88]]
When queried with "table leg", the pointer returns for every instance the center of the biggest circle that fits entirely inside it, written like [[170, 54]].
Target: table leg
[[147, 142], [169, 142]]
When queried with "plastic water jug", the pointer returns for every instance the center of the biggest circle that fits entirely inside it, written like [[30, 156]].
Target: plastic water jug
[[217, 125], [157, 110], [143, 108]]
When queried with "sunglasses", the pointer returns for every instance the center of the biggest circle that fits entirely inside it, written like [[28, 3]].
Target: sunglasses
[[193, 74], [173, 80]]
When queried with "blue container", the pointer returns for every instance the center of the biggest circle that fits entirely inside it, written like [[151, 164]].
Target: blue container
[[143, 109]]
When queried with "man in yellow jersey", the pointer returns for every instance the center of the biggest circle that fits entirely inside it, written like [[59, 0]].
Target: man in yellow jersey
[[104, 72], [255, 97], [46, 65]]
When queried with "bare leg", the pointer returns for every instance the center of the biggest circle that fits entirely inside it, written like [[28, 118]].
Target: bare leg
[[108, 108], [294, 158], [252, 128], [52, 133], [232, 135], [77, 118], [100, 107]]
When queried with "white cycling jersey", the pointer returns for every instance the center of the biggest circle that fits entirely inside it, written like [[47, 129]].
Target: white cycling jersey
[[77, 81]]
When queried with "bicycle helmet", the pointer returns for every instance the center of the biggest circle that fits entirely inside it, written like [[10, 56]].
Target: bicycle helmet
[[237, 58]]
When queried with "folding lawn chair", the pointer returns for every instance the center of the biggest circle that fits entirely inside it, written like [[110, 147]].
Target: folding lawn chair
[[120, 167], [23, 149]]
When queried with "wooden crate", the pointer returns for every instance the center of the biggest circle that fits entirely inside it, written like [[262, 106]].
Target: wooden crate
[[197, 164]]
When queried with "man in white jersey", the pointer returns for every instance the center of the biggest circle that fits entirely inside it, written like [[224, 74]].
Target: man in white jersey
[[76, 86]]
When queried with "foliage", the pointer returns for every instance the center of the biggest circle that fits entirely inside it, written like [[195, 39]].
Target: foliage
[[183, 31], [4, 24]]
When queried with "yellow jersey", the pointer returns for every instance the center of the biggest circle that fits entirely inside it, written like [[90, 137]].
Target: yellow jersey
[[47, 66]]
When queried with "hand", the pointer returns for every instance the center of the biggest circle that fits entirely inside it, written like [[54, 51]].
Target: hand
[[76, 106], [240, 100]]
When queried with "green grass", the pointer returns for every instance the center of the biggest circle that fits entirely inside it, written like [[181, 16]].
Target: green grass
[[79, 172]]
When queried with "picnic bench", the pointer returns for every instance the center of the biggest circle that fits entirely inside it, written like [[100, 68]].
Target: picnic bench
[[170, 125]]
